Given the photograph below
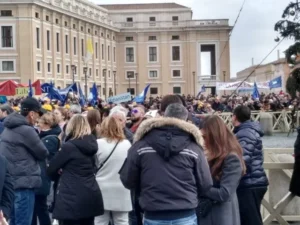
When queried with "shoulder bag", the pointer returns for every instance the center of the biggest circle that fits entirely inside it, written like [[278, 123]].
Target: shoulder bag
[[103, 163]]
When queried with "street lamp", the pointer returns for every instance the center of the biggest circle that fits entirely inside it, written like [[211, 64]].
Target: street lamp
[[194, 74], [73, 67], [129, 84], [115, 87], [85, 80], [136, 84], [105, 82], [224, 79]]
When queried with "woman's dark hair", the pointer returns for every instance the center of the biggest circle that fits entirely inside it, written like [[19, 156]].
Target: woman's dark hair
[[94, 119]]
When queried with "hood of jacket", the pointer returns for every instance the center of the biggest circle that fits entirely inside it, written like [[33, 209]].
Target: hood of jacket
[[53, 131], [249, 125], [15, 120], [87, 144], [168, 136]]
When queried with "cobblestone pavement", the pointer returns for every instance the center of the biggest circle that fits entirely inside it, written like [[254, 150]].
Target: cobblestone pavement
[[280, 140]]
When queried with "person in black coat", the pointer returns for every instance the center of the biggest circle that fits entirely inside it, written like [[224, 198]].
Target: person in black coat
[[78, 196], [295, 181]]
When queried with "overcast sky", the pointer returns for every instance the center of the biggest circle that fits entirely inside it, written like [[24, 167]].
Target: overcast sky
[[254, 33]]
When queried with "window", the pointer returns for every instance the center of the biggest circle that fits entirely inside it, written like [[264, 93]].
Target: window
[[176, 73], [129, 39], [129, 19], [102, 48], [208, 59], [104, 92], [102, 35], [57, 42], [96, 50], [37, 37], [176, 53], [174, 18], [75, 44], [37, 15], [108, 53], [90, 72], [109, 74], [49, 67], [58, 68], [152, 19], [8, 66], [38, 66], [153, 91], [66, 23], [56, 21], [67, 44], [129, 54], [7, 36], [152, 54], [97, 72], [81, 28], [152, 38], [82, 47], [74, 26], [89, 30], [176, 90], [47, 18], [67, 69], [175, 37], [96, 32], [131, 91], [114, 37], [153, 74], [114, 54], [130, 75], [48, 40], [6, 13], [107, 36]]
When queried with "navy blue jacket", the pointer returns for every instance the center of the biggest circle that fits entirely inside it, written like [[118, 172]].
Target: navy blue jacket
[[249, 136], [2, 125]]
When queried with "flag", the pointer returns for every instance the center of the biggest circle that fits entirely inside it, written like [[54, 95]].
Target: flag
[[276, 83], [30, 91], [89, 50], [255, 94], [141, 97], [67, 90], [95, 94], [53, 94], [203, 89], [81, 96], [46, 87]]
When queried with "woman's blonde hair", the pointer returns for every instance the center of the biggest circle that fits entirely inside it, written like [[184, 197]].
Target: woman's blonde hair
[[112, 129], [49, 119], [78, 127]]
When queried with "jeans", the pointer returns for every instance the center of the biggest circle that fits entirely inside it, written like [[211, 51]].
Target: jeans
[[41, 211], [22, 209], [249, 204], [191, 220]]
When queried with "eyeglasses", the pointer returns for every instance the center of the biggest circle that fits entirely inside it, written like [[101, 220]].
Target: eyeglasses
[[134, 111]]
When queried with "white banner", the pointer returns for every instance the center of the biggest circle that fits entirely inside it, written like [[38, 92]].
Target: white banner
[[231, 86], [126, 97]]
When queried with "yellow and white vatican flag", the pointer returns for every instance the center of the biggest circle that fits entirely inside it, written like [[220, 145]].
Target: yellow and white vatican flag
[[89, 50]]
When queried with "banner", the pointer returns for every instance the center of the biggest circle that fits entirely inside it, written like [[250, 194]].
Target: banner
[[23, 91], [276, 83], [246, 86], [126, 97]]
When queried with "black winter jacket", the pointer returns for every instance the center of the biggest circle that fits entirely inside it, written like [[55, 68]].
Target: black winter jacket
[[22, 147], [249, 136], [167, 163], [78, 195]]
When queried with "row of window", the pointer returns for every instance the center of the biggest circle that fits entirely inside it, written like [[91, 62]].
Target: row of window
[[151, 19], [67, 41], [153, 74], [153, 38], [153, 90]]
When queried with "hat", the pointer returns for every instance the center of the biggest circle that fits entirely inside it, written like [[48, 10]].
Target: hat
[[6, 108], [31, 104]]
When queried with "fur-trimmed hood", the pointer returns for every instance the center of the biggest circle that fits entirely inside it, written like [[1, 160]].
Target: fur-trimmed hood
[[168, 136]]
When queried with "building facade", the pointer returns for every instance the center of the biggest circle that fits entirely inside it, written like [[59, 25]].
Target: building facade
[[134, 45]]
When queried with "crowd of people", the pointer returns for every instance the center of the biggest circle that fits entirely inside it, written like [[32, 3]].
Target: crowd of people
[[131, 164]]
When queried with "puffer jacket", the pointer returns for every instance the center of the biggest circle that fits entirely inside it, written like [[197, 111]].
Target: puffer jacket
[[249, 136], [22, 147], [168, 167]]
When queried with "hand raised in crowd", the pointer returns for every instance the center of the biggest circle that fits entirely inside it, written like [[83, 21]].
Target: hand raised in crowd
[[2, 219]]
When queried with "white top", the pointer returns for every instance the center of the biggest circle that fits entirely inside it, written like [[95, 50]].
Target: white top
[[115, 196]]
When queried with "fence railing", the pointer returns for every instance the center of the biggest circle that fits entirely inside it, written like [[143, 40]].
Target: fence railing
[[279, 174]]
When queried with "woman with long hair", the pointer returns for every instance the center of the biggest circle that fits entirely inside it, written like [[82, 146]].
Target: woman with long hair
[[220, 204], [94, 119], [112, 152], [78, 197]]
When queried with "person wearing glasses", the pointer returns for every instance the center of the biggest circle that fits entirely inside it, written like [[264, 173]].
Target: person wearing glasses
[[137, 117]]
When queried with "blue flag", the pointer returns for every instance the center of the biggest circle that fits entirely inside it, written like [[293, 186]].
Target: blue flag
[[67, 90], [141, 97], [276, 83], [255, 94], [53, 94], [203, 89], [81, 96], [46, 87], [30, 91], [95, 94]]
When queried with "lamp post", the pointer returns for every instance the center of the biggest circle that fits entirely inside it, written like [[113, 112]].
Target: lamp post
[[224, 79], [105, 83], [85, 80], [73, 67], [136, 84], [194, 81], [129, 85], [115, 87]]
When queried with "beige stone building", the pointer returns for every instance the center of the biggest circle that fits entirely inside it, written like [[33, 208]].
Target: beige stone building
[[134, 45]]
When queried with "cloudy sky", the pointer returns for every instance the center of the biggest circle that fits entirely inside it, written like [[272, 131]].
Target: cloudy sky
[[253, 36]]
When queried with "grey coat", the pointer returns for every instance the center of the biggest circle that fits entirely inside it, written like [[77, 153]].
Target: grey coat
[[22, 147], [226, 210]]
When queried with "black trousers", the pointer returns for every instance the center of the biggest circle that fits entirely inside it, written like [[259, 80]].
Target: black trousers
[[249, 203], [89, 221], [41, 211]]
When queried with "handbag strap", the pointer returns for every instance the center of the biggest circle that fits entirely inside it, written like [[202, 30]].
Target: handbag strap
[[103, 163]]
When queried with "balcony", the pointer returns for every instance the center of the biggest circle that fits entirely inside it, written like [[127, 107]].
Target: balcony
[[168, 24], [208, 78]]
